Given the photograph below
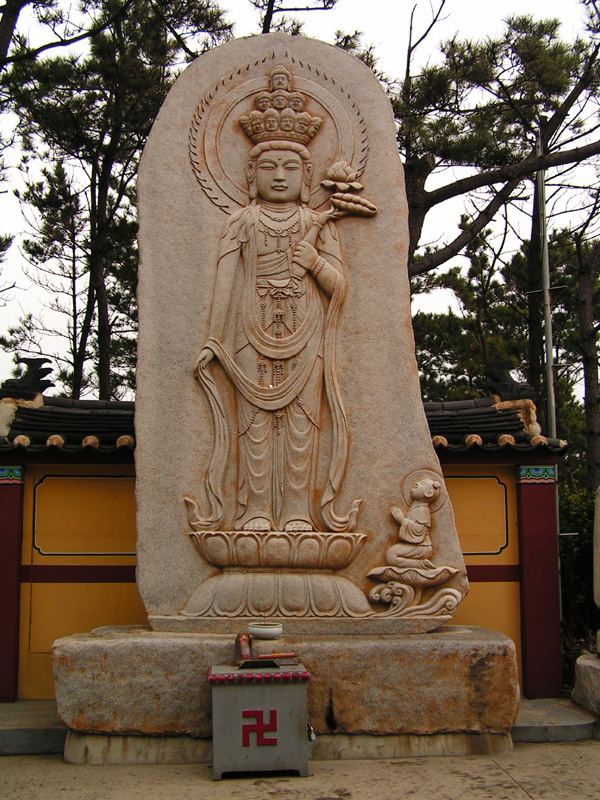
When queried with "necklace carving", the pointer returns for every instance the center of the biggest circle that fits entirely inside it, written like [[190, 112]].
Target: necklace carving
[[279, 223]]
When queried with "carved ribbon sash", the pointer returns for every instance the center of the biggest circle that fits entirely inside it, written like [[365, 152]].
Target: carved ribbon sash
[[276, 397]]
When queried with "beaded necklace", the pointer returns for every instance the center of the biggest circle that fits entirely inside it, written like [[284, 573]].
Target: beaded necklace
[[280, 222]]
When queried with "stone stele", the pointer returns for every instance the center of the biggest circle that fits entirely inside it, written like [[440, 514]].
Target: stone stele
[[586, 691], [284, 464]]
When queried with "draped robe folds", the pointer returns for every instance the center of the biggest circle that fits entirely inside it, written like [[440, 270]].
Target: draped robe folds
[[278, 380]]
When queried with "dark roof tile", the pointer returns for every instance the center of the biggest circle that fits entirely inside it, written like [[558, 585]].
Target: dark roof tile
[[73, 420]]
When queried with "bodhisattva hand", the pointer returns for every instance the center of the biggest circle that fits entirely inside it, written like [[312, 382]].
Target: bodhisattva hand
[[203, 360], [304, 257]]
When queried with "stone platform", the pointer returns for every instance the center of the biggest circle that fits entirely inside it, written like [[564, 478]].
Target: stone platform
[[457, 685], [587, 682]]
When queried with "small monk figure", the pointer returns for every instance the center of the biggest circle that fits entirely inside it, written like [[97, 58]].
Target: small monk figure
[[415, 548]]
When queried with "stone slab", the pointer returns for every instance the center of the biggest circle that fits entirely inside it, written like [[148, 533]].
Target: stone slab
[[555, 719], [30, 727], [104, 749], [549, 720], [135, 681], [302, 626], [586, 692], [97, 750]]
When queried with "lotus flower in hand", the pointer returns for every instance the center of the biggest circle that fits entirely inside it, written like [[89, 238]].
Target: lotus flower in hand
[[341, 177]]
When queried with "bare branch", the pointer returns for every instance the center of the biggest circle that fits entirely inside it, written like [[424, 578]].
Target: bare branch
[[433, 260], [33, 53], [513, 171]]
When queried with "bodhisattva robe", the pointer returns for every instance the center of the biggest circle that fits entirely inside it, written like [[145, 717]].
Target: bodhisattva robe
[[273, 333]]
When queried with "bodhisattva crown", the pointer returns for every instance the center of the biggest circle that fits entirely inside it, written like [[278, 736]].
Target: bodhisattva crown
[[279, 113]]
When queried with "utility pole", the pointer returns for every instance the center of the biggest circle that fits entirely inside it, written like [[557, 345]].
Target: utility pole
[[541, 187]]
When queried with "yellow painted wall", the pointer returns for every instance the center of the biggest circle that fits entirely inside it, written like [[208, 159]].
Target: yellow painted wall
[[484, 498], [52, 610], [85, 515], [73, 516]]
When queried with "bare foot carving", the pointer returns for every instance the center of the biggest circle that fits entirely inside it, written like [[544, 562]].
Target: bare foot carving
[[295, 525], [257, 524]]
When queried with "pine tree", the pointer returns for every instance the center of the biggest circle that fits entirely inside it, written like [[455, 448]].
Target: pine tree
[[481, 109], [92, 115]]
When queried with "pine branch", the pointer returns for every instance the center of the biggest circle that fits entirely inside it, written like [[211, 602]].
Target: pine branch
[[513, 171]]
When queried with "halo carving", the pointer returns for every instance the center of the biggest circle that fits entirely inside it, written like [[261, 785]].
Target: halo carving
[[218, 149], [418, 475]]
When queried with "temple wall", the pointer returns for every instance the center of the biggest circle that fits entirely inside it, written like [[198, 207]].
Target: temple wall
[[86, 512]]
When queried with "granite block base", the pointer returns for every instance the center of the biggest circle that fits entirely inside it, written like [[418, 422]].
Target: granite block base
[[586, 692], [133, 681]]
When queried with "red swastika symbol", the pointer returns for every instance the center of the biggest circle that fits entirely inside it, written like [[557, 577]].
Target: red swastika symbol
[[259, 727]]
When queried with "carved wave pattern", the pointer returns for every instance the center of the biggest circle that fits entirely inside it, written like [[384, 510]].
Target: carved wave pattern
[[277, 549], [401, 597]]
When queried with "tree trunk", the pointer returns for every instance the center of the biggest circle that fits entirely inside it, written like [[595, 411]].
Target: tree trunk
[[535, 371], [98, 243], [416, 172], [100, 230], [8, 22], [79, 356], [268, 17]]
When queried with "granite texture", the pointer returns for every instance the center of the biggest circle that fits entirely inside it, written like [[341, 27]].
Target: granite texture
[[136, 681], [586, 691], [183, 217]]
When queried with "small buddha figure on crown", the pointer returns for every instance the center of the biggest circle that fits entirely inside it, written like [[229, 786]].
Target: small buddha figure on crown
[[287, 120], [296, 101], [262, 101], [280, 78]]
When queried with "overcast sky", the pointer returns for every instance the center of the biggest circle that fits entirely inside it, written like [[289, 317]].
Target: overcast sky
[[385, 22]]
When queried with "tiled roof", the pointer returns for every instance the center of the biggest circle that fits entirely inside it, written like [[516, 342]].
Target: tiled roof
[[107, 426], [72, 425], [487, 425]]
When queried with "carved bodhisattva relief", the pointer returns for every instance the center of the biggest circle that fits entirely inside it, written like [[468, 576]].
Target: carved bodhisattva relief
[[279, 291], [281, 148]]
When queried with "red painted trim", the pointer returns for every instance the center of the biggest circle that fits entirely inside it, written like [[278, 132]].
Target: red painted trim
[[540, 603], [11, 503], [67, 573], [494, 573], [77, 574]]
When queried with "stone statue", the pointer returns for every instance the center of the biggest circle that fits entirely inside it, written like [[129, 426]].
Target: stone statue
[[415, 547], [409, 569], [279, 288], [274, 296]]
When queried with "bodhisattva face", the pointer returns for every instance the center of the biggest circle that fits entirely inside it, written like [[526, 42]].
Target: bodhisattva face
[[279, 175]]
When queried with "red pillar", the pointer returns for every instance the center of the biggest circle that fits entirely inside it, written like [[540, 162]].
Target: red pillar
[[11, 526], [540, 601]]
